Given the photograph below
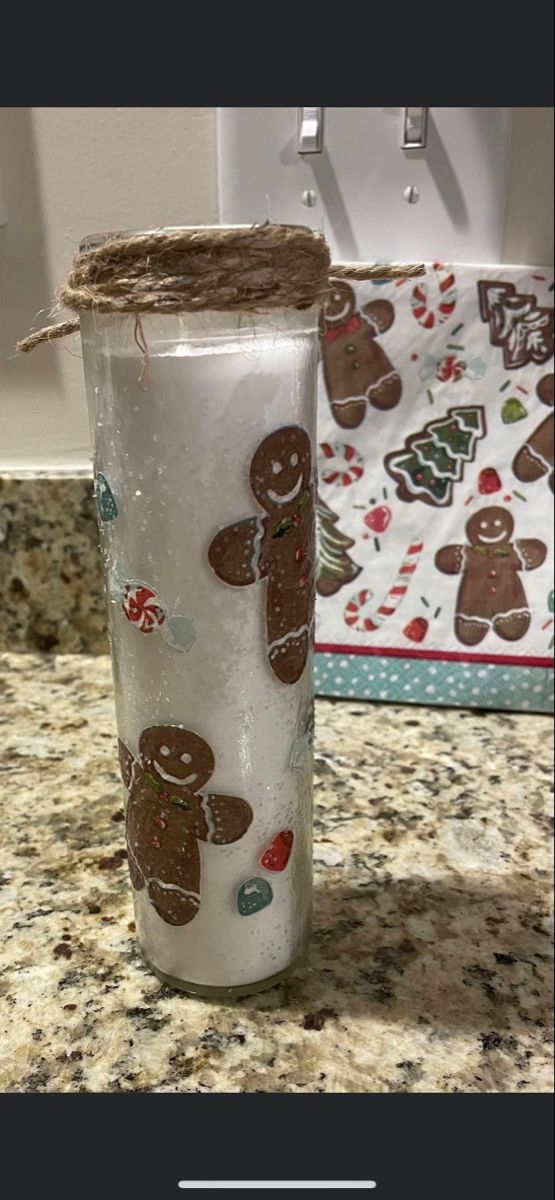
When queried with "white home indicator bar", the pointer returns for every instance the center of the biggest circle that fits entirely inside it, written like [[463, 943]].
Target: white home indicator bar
[[272, 1183]]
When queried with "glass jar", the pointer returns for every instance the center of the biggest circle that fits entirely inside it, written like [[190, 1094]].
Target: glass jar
[[203, 429]]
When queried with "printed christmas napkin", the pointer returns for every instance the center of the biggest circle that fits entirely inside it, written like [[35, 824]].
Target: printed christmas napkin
[[434, 516]]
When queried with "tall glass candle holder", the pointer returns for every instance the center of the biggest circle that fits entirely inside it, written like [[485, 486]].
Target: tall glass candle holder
[[203, 428]]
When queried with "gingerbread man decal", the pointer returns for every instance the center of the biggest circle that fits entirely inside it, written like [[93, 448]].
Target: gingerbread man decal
[[357, 372], [535, 457], [277, 547], [167, 815], [491, 594]]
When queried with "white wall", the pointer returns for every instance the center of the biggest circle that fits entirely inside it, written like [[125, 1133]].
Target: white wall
[[65, 172]]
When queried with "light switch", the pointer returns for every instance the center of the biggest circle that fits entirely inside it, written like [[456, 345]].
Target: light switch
[[310, 133], [415, 133]]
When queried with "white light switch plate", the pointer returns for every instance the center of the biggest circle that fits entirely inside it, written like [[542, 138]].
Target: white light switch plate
[[355, 190]]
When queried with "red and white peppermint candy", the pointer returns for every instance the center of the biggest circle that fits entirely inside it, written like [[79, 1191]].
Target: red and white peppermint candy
[[450, 368], [143, 606], [343, 463], [433, 301]]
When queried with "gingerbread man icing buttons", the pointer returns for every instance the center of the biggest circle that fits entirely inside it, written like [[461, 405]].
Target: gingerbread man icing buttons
[[168, 814], [357, 372], [491, 594], [277, 547], [535, 457]]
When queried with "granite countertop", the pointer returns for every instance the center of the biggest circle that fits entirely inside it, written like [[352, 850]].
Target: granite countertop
[[430, 964]]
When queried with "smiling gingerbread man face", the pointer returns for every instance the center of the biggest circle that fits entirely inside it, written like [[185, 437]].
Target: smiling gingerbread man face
[[490, 527], [357, 372], [491, 596], [341, 303], [167, 816], [280, 469], [182, 759], [277, 547]]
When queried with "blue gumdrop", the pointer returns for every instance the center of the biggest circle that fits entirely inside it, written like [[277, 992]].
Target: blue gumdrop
[[179, 633], [253, 896], [105, 499]]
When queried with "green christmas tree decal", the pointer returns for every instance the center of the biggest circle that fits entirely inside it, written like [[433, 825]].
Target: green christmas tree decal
[[334, 567], [433, 459]]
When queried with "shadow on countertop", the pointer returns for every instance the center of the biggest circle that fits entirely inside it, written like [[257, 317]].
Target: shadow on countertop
[[451, 953]]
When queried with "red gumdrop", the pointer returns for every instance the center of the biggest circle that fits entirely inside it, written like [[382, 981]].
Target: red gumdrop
[[489, 481], [276, 857], [378, 519], [416, 629]]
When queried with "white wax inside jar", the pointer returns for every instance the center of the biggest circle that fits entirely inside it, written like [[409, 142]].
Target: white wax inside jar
[[176, 448]]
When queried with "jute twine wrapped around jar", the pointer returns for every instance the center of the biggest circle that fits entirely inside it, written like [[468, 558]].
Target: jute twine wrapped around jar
[[251, 269]]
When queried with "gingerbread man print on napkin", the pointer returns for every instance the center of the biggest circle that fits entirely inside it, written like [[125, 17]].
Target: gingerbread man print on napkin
[[491, 594], [535, 457], [167, 816], [278, 547], [357, 371]]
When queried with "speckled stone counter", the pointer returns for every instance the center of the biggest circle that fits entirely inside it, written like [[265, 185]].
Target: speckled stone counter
[[430, 965], [51, 588]]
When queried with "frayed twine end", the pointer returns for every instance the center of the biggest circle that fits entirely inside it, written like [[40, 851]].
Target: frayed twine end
[[49, 334]]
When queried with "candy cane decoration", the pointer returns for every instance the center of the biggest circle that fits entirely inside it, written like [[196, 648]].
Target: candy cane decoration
[[422, 309], [347, 467], [354, 609]]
